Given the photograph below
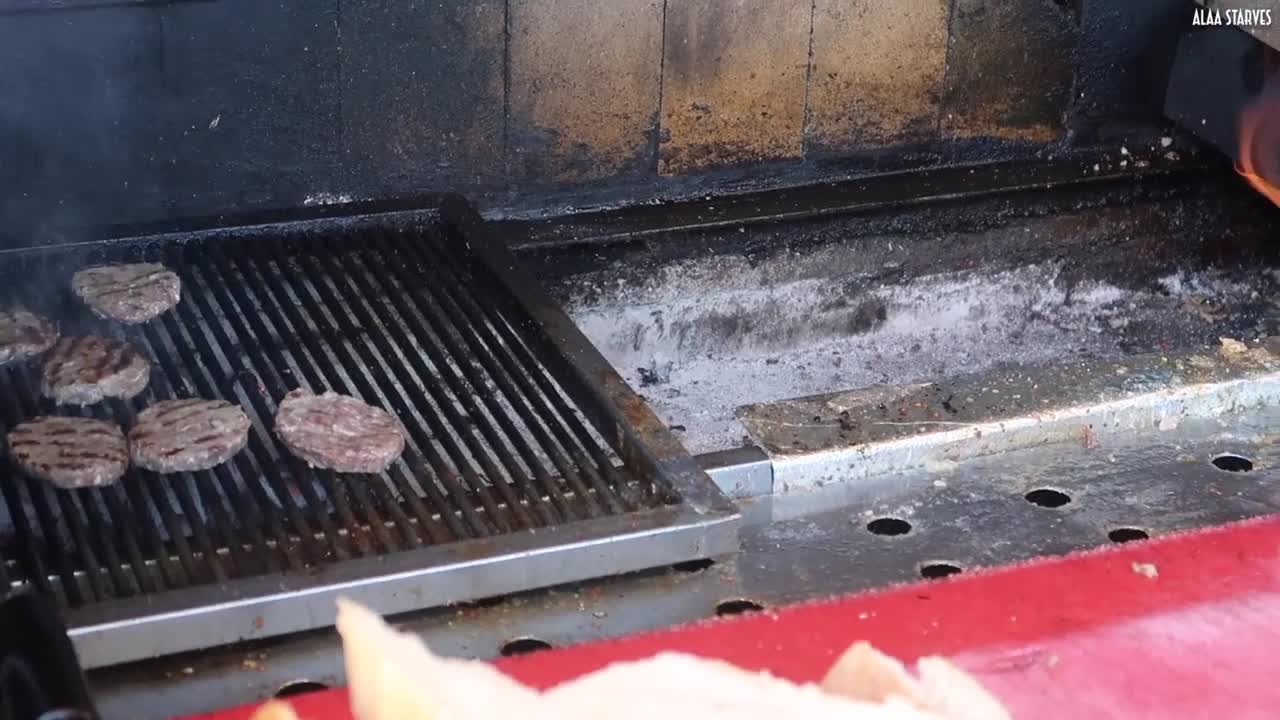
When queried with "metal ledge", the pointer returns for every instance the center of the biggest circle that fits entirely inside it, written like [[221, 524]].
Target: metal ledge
[[884, 430]]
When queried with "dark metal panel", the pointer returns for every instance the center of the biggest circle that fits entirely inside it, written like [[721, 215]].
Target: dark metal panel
[[422, 93], [1123, 57], [249, 106], [75, 133], [1216, 73]]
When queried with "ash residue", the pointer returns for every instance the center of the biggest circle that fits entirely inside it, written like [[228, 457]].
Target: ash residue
[[706, 336]]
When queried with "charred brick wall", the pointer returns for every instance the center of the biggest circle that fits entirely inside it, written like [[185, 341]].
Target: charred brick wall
[[122, 111]]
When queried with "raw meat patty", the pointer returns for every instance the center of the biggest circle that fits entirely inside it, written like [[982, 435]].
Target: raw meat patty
[[338, 432], [128, 293], [70, 452], [24, 334], [84, 370], [187, 435]]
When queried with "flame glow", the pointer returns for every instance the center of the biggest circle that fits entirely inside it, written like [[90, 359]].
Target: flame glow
[[1260, 142]]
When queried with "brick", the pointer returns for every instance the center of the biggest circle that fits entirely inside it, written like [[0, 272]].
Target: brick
[[733, 82], [876, 75], [584, 88]]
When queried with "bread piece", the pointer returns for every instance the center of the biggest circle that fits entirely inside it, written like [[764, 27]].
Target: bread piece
[[274, 710], [864, 673], [685, 686], [393, 676], [955, 694]]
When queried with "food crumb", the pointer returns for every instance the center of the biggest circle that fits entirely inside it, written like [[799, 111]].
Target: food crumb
[[188, 671], [1148, 570], [250, 664], [1052, 661], [1231, 346]]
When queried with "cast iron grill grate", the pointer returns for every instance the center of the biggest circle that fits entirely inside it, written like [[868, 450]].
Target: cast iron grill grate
[[402, 315]]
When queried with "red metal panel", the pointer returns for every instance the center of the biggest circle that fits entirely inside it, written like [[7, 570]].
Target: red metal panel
[[1184, 626]]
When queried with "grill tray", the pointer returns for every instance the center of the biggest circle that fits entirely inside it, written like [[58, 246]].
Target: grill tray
[[529, 461]]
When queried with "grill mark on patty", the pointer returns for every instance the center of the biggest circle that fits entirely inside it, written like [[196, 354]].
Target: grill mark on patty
[[125, 357], [188, 435], [88, 368], [69, 452], [175, 406], [103, 284], [68, 457]]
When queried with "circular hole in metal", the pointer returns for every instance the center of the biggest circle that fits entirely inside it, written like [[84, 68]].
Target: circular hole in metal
[[523, 646], [889, 526], [939, 570], [1127, 534], [692, 566], [1230, 462], [1048, 498], [299, 687], [737, 606]]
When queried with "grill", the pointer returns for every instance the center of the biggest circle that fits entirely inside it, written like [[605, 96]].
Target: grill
[[529, 462]]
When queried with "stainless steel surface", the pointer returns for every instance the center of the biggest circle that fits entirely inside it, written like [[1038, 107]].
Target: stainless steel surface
[[266, 606], [739, 472], [971, 512], [888, 429], [528, 461]]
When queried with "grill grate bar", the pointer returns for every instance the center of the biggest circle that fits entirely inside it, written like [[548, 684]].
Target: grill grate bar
[[316, 374], [242, 470], [476, 323], [49, 527], [80, 537], [124, 584], [458, 494], [172, 383], [507, 337], [29, 557], [260, 444], [549, 501], [483, 484], [466, 396], [392, 309], [463, 493], [384, 337], [306, 366], [423, 442], [306, 479], [477, 450], [147, 581]]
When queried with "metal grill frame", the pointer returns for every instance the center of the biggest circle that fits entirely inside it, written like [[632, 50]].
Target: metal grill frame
[[702, 522]]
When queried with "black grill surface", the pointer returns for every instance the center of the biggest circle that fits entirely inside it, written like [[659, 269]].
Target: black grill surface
[[399, 314]]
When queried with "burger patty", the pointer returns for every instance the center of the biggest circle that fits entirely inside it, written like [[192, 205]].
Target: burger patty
[[187, 435], [70, 452], [84, 370], [128, 293], [338, 432], [24, 334]]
